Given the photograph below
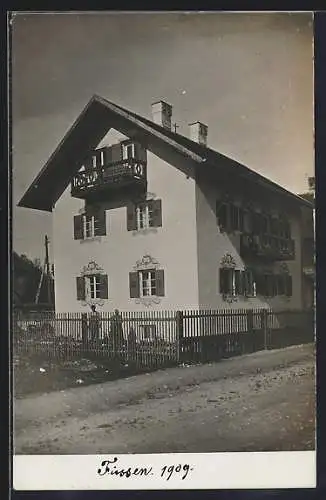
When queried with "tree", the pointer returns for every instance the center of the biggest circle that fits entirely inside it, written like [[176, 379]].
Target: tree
[[26, 278]]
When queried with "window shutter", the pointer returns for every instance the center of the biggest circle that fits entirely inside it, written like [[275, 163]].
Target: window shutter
[[241, 219], [80, 285], [88, 163], [221, 213], [104, 286], [246, 283], [238, 282], [224, 281], [262, 284], [107, 155], [134, 285], [288, 286], [116, 152], [131, 217], [97, 155], [78, 227], [101, 225], [156, 207], [280, 284], [159, 275], [140, 152]]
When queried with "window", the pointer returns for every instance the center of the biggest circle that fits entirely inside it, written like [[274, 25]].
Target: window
[[272, 285], [288, 285], [281, 284], [229, 216], [144, 215], [249, 283], [92, 286], [90, 224], [236, 282], [231, 282], [147, 283], [236, 218], [260, 223], [222, 215], [128, 151]]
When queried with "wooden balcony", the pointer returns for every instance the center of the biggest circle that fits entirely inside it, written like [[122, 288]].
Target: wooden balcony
[[266, 247], [110, 180]]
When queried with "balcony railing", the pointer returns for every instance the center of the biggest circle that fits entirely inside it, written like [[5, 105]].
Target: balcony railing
[[118, 174], [267, 247]]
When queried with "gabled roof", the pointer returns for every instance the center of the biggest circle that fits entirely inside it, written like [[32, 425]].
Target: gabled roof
[[94, 122]]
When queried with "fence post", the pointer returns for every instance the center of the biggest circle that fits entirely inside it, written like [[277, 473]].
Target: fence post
[[179, 324], [250, 329], [264, 327], [84, 331]]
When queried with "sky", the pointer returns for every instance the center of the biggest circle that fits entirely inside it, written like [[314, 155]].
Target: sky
[[249, 77]]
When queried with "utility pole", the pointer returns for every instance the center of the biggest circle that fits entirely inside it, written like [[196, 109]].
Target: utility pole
[[45, 271], [47, 267]]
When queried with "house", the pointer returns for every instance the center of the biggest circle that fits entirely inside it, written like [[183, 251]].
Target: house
[[146, 218], [308, 248]]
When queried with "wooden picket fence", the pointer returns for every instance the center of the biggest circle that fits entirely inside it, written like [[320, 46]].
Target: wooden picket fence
[[156, 339]]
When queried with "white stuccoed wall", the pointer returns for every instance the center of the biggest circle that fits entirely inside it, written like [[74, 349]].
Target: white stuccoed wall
[[173, 245]]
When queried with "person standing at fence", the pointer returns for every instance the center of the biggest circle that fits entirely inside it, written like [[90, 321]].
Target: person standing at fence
[[117, 330], [94, 323]]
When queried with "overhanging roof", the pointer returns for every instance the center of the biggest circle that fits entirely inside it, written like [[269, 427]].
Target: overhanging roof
[[94, 122]]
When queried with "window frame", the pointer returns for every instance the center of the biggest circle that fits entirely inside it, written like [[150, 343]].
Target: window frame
[[94, 222], [93, 285], [125, 148], [144, 216], [150, 280], [222, 215]]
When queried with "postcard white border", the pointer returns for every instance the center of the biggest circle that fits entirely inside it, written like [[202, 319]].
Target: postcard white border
[[259, 470]]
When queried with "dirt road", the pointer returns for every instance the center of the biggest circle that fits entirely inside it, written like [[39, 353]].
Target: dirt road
[[259, 402]]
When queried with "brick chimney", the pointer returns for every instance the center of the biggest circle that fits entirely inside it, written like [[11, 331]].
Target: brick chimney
[[198, 132], [162, 114]]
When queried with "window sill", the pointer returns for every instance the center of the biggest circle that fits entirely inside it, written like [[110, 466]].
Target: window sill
[[148, 301], [149, 230], [89, 240]]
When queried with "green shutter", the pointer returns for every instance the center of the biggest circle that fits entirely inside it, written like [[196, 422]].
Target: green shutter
[[104, 286], [134, 285], [156, 207], [80, 286], [159, 275], [131, 217], [78, 227]]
